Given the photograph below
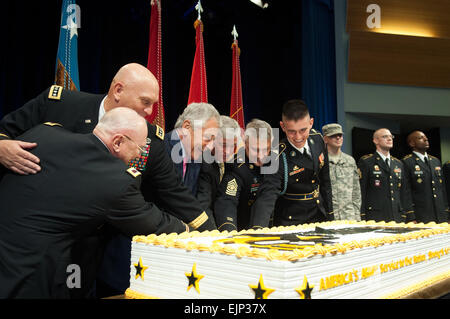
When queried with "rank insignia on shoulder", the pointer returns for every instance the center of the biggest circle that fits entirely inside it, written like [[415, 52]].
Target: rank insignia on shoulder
[[160, 132], [55, 92], [407, 156], [52, 124], [133, 172]]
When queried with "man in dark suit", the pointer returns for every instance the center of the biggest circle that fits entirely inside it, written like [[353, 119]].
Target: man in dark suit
[[423, 174], [216, 163], [194, 132], [384, 194], [300, 191], [240, 184], [135, 87], [83, 183]]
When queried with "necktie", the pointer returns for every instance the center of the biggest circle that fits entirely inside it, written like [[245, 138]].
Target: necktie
[[305, 153], [387, 162], [184, 166], [425, 159], [221, 171]]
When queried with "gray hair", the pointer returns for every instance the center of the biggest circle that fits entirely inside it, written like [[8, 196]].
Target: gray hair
[[258, 128], [230, 128], [121, 119], [198, 114]]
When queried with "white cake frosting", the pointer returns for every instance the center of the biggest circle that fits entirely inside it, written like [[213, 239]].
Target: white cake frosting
[[380, 260]]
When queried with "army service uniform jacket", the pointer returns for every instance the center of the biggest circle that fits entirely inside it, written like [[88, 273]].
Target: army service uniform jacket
[[236, 195], [300, 191], [78, 112], [384, 193], [446, 171], [427, 185], [211, 174], [81, 187]]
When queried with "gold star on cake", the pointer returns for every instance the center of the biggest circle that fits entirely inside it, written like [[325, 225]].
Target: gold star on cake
[[193, 278], [305, 290], [140, 268], [261, 291]]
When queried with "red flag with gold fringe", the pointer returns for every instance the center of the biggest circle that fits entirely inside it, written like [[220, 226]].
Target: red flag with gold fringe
[[236, 105], [154, 62], [198, 91]]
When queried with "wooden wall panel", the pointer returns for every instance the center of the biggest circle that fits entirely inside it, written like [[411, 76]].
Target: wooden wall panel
[[430, 16], [402, 60]]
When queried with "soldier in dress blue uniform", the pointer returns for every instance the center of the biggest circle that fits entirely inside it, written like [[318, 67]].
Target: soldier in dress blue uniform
[[446, 170], [84, 183], [217, 162], [300, 190], [384, 193], [135, 87], [240, 184], [425, 177]]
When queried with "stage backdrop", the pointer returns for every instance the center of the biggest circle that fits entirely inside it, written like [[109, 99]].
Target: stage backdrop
[[287, 51]]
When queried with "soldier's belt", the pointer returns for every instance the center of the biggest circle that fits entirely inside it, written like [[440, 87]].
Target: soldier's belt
[[314, 194]]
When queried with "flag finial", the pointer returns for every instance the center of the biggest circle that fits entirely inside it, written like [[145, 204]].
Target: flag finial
[[234, 33], [199, 8]]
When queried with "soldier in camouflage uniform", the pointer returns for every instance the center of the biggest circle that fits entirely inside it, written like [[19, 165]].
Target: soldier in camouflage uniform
[[344, 176]]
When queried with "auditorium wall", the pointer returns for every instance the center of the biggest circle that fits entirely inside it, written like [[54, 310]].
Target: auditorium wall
[[375, 105]]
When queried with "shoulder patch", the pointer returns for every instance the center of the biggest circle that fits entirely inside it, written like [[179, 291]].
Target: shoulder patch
[[133, 172], [52, 124], [159, 132], [55, 92]]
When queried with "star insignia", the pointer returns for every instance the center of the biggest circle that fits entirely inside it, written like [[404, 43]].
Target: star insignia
[[140, 268], [260, 290], [72, 27], [193, 278], [305, 290]]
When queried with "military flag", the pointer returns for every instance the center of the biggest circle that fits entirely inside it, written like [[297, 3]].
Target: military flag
[[67, 56], [154, 62], [198, 91], [236, 105]]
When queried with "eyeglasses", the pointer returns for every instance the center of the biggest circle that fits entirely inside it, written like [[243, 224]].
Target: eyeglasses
[[339, 135], [141, 149], [387, 136]]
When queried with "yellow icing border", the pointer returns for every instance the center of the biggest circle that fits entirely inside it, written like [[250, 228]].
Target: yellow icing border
[[131, 294], [417, 287], [173, 240]]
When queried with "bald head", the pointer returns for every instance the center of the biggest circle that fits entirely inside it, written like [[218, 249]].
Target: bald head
[[383, 140], [124, 132], [418, 142], [135, 87]]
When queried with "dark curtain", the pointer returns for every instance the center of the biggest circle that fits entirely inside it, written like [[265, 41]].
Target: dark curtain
[[285, 51], [318, 61]]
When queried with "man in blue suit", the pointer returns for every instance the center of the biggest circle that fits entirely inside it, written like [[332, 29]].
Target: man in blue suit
[[194, 132]]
